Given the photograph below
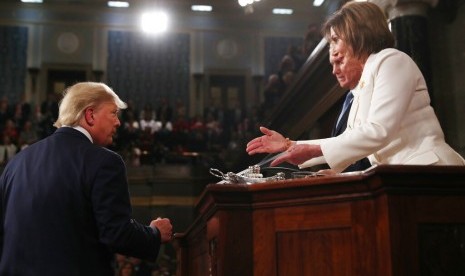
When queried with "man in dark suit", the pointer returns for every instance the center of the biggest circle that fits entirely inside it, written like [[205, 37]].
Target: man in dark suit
[[65, 207], [339, 128]]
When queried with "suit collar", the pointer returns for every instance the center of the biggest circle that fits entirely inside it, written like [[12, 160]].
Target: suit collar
[[73, 131], [85, 132]]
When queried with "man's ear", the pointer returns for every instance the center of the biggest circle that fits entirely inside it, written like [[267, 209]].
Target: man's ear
[[89, 116]]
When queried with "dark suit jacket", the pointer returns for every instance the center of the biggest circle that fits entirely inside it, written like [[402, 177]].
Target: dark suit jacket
[[65, 210], [339, 128], [360, 165]]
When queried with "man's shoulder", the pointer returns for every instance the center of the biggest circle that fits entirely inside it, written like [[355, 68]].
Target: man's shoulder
[[77, 141]]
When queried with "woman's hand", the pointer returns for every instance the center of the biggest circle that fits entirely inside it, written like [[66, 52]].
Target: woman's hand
[[298, 154], [271, 142]]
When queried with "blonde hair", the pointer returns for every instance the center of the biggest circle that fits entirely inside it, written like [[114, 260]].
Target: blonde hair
[[362, 26], [82, 95]]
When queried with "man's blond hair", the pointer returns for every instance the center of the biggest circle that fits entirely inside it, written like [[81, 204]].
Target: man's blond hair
[[83, 95]]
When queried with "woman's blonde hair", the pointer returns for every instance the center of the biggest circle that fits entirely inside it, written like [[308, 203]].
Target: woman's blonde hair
[[82, 95], [362, 26]]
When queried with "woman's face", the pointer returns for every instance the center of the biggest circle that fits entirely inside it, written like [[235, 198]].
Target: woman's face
[[346, 68]]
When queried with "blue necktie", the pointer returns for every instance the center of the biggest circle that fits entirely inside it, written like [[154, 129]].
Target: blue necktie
[[345, 106]]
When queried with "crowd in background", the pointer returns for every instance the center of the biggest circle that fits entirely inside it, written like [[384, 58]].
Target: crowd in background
[[130, 266], [146, 136], [22, 124], [291, 62], [158, 132], [161, 132]]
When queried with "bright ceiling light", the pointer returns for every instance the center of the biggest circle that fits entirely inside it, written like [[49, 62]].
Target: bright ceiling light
[[202, 8], [282, 11], [318, 3], [31, 1], [244, 3], [118, 4], [154, 22]]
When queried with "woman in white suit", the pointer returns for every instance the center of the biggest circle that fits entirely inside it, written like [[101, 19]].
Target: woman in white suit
[[391, 120]]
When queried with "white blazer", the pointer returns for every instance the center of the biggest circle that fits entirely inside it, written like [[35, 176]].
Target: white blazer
[[391, 120]]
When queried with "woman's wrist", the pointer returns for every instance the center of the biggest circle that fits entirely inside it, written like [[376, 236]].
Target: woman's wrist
[[287, 144]]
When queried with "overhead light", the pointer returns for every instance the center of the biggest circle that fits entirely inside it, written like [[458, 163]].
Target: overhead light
[[247, 5], [202, 8], [318, 3], [282, 11], [32, 1], [244, 3], [118, 4], [154, 22]]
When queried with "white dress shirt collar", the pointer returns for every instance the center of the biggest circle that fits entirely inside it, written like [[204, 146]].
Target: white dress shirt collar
[[85, 132]]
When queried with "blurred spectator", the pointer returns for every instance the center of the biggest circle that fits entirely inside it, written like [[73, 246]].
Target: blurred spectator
[[288, 77], [11, 131], [5, 112], [26, 110], [165, 111], [7, 150], [273, 90], [141, 268], [311, 39], [27, 135], [129, 111], [147, 113], [287, 65], [148, 123], [210, 109], [180, 109], [49, 111], [126, 269], [49, 107], [120, 259], [213, 132]]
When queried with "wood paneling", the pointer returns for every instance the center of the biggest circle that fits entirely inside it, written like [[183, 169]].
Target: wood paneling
[[373, 223], [315, 252]]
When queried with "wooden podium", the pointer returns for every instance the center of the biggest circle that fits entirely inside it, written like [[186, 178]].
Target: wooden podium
[[390, 220]]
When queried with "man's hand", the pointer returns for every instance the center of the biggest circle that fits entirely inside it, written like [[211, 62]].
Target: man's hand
[[164, 226]]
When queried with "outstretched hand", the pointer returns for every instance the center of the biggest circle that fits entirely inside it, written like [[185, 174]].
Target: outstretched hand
[[270, 142]]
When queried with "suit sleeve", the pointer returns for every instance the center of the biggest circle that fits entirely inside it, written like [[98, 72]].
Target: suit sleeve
[[112, 211]]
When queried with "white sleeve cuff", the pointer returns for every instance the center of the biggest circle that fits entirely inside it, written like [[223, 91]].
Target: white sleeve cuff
[[313, 162]]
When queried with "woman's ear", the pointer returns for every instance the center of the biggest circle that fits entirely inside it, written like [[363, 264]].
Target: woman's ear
[[89, 116]]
